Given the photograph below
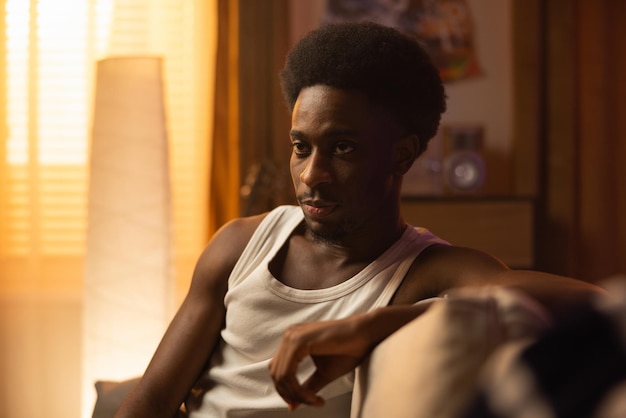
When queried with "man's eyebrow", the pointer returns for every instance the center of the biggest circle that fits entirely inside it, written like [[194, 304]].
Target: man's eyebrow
[[294, 133]]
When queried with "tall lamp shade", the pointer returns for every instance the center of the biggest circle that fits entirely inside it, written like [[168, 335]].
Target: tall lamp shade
[[128, 282]]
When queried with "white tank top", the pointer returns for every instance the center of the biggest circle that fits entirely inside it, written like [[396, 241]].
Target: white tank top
[[259, 308]]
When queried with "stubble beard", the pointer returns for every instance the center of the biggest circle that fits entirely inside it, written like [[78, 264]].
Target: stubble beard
[[335, 236]]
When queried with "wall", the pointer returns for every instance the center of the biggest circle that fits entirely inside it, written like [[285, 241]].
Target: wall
[[40, 355]]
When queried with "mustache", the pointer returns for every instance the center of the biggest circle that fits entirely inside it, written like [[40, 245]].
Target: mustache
[[316, 198]]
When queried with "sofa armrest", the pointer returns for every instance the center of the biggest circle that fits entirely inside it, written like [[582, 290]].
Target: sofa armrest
[[430, 367]]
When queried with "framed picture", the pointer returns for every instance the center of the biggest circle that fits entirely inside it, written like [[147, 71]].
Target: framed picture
[[445, 28]]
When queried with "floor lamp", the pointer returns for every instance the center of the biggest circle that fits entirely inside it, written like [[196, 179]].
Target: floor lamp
[[128, 282]]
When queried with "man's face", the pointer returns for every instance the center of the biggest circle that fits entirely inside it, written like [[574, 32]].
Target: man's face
[[341, 161]]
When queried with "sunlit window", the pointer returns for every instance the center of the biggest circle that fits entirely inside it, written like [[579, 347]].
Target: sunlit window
[[49, 66], [51, 49], [48, 71]]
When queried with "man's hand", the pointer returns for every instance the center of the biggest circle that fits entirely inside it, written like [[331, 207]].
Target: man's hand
[[336, 348]]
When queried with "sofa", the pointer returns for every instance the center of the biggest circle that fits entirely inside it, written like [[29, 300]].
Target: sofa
[[487, 352]]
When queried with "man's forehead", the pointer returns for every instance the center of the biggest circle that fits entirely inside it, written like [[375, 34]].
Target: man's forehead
[[335, 109]]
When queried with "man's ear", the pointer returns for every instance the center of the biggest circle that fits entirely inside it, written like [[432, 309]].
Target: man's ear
[[404, 153]]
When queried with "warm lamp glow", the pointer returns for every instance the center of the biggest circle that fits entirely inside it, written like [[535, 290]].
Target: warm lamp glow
[[128, 293]]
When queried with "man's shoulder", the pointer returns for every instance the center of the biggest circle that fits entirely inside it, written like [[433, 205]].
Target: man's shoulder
[[422, 280], [441, 267], [237, 233], [225, 247]]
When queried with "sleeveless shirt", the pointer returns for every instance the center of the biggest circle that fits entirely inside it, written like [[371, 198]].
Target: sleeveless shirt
[[259, 308]]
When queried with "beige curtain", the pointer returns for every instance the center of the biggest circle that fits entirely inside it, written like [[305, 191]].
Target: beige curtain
[[224, 146], [249, 146]]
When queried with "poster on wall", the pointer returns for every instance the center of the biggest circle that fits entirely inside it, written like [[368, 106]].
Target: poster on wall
[[445, 28]]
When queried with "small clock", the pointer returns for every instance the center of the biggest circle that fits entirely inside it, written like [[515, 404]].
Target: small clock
[[464, 168]]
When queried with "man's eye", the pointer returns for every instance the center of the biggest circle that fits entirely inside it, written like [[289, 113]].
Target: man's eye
[[343, 148], [300, 148]]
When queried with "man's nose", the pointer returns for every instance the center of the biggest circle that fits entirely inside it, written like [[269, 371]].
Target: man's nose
[[317, 170]]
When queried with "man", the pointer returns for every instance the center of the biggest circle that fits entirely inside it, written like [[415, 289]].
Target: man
[[308, 291]]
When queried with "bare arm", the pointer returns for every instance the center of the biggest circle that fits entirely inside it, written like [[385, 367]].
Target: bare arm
[[191, 336], [339, 346], [454, 267], [336, 347]]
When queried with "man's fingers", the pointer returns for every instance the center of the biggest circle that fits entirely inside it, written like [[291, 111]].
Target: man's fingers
[[283, 374], [314, 384], [289, 388], [295, 394]]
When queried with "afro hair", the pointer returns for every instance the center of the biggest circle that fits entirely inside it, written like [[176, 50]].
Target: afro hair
[[389, 67]]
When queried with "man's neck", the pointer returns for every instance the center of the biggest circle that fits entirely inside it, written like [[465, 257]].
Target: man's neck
[[360, 245]]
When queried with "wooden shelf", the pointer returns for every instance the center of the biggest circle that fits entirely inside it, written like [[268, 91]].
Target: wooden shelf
[[503, 227]]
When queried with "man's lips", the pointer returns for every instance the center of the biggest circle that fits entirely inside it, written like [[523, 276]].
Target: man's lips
[[318, 209]]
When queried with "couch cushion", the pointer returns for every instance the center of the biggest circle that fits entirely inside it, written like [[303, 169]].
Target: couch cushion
[[110, 396], [429, 368]]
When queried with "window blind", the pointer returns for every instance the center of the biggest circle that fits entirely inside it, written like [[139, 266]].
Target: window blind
[[50, 49]]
